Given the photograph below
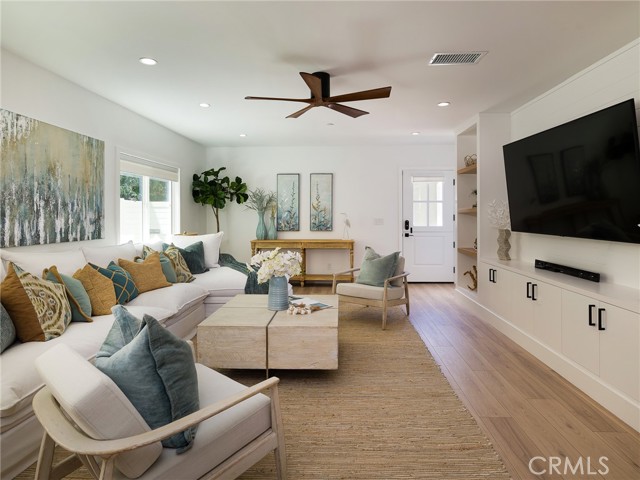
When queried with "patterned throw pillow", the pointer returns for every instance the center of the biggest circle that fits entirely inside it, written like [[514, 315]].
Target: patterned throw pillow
[[182, 270], [47, 313], [193, 255], [147, 275], [165, 262], [123, 283], [100, 289], [7, 330], [154, 369], [76, 294]]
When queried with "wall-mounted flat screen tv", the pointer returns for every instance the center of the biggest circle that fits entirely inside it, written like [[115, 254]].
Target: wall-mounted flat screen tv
[[580, 179]]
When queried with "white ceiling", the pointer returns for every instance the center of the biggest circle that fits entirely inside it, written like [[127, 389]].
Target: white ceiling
[[220, 52]]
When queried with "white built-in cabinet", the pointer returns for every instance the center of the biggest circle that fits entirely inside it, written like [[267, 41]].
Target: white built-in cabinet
[[572, 324], [604, 339]]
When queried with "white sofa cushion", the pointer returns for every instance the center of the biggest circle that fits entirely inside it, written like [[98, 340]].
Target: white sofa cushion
[[101, 256], [67, 261], [211, 243], [177, 297], [20, 381], [221, 282], [218, 437], [96, 404]]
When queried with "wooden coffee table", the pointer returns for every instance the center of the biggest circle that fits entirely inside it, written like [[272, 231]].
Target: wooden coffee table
[[244, 334]]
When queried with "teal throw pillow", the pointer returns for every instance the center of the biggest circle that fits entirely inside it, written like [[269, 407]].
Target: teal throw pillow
[[123, 283], [376, 269], [154, 369], [7, 330], [76, 293], [166, 263], [193, 255]]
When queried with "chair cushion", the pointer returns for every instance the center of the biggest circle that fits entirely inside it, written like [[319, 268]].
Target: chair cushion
[[220, 436], [211, 244], [376, 269], [368, 291], [154, 369], [95, 403]]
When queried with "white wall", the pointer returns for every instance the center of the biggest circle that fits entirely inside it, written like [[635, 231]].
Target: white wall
[[366, 185], [610, 81], [32, 91]]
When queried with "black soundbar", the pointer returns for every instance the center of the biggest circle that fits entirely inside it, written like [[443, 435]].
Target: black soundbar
[[574, 272]]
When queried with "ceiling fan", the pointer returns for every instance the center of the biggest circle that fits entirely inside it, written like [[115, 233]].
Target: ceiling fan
[[318, 83]]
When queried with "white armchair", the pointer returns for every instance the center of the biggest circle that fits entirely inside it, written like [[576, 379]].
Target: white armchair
[[237, 426], [394, 292]]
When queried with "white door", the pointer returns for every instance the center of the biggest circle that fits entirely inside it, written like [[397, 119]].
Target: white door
[[427, 225]]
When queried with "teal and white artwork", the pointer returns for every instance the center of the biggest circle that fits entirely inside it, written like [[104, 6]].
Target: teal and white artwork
[[321, 199], [51, 183], [288, 202]]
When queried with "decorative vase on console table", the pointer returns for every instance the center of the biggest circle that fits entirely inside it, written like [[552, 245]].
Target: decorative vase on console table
[[272, 233], [261, 229]]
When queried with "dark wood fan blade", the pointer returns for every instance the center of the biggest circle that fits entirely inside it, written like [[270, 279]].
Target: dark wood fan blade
[[352, 112], [300, 112], [314, 83], [383, 92], [303, 100]]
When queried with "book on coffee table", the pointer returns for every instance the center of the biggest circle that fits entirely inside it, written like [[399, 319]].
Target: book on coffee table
[[308, 302]]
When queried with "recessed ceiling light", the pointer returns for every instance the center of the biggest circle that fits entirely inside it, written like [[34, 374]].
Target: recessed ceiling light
[[243, 134], [148, 61], [415, 133], [444, 104], [205, 105]]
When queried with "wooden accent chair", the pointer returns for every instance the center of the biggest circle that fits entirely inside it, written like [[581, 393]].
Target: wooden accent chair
[[394, 292], [237, 427]]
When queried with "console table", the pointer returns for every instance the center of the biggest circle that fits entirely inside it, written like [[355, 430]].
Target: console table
[[307, 244]]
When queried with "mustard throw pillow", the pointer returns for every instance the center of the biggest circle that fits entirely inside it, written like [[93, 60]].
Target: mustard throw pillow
[[147, 275], [100, 289], [17, 304]]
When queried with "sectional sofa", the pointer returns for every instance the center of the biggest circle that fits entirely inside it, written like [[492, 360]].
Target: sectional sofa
[[179, 307]]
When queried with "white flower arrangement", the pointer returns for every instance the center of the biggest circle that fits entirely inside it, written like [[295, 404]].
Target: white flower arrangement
[[273, 263], [498, 213]]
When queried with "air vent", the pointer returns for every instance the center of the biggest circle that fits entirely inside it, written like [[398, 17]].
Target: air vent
[[465, 58]]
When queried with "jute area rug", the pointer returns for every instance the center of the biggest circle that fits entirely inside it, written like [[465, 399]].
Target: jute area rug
[[386, 413]]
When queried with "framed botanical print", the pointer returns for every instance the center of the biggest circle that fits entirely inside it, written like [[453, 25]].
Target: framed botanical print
[[321, 202], [288, 219]]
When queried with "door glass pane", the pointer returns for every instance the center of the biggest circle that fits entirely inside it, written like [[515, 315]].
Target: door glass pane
[[428, 201]]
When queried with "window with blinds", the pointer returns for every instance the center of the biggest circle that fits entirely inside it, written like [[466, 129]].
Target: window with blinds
[[148, 198]]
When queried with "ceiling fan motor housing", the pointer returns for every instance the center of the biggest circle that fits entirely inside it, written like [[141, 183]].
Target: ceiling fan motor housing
[[325, 79]]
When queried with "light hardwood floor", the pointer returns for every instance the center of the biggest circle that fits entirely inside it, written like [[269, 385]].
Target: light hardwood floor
[[524, 407]]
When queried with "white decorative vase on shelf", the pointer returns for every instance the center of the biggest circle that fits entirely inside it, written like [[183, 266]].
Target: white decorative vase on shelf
[[503, 243]]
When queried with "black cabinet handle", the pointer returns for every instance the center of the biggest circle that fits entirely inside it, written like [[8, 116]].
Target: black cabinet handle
[[528, 289], [591, 322], [533, 292], [600, 312], [493, 275]]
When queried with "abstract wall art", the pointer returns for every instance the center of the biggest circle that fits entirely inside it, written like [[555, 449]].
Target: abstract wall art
[[51, 183], [288, 202], [321, 202]]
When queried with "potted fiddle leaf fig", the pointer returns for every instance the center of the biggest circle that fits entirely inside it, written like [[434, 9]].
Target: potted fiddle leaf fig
[[209, 188]]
